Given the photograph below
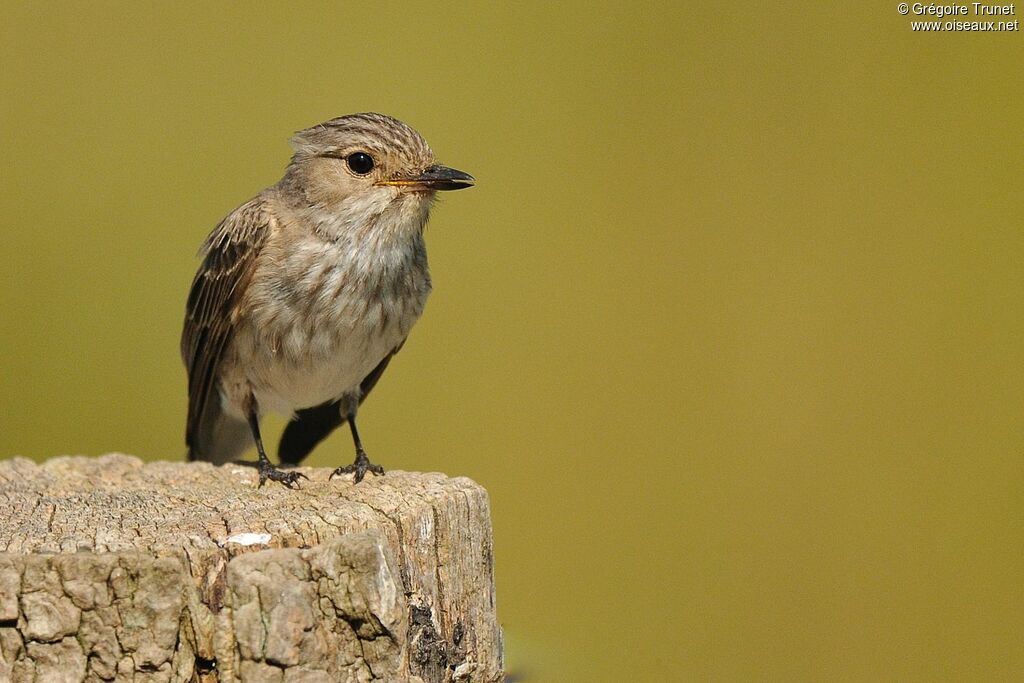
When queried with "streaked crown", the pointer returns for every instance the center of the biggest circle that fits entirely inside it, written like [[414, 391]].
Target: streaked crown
[[378, 134]]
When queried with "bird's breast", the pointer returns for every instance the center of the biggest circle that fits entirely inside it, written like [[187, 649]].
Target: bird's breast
[[323, 315]]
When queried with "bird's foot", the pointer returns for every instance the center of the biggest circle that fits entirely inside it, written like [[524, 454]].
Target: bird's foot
[[360, 467], [268, 471]]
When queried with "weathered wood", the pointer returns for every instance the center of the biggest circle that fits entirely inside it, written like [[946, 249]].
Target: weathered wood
[[115, 570]]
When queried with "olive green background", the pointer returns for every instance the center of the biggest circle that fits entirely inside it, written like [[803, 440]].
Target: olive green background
[[731, 327]]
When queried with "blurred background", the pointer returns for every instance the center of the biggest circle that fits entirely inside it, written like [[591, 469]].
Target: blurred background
[[731, 328]]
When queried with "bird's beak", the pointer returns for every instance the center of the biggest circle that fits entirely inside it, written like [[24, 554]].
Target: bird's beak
[[434, 178]]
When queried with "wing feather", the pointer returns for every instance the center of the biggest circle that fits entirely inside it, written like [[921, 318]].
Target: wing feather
[[229, 259]]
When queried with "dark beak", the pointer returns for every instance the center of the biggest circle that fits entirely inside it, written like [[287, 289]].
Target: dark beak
[[444, 178], [435, 178]]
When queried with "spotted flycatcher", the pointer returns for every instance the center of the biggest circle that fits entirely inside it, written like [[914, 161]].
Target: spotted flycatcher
[[306, 291]]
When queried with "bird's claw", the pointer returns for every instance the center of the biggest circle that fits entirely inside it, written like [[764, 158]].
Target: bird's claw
[[289, 478], [360, 467]]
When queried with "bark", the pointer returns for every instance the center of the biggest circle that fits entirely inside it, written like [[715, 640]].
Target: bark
[[115, 570]]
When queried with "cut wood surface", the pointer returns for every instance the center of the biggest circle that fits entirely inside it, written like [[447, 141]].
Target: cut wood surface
[[115, 570]]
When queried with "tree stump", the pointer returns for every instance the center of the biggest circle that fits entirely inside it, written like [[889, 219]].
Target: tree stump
[[115, 570]]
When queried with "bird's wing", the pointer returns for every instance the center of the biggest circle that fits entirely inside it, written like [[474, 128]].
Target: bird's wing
[[229, 259], [313, 425], [370, 381]]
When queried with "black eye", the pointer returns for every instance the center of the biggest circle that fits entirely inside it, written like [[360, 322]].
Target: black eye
[[360, 162]]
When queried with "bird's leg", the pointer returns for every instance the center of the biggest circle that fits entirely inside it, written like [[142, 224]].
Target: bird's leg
[[362, 464], [265, 467]]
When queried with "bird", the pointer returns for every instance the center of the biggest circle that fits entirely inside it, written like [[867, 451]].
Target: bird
[[307, 291]]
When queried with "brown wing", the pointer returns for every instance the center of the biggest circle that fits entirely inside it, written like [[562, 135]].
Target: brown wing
[[229, 258]]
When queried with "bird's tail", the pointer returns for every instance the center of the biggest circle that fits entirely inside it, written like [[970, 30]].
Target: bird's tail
[[217, 437]]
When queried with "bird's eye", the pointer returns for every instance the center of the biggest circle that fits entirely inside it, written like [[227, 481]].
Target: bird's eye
[[361, 163]]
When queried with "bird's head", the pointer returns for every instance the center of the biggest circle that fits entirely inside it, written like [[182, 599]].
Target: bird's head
[[367, 167]]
